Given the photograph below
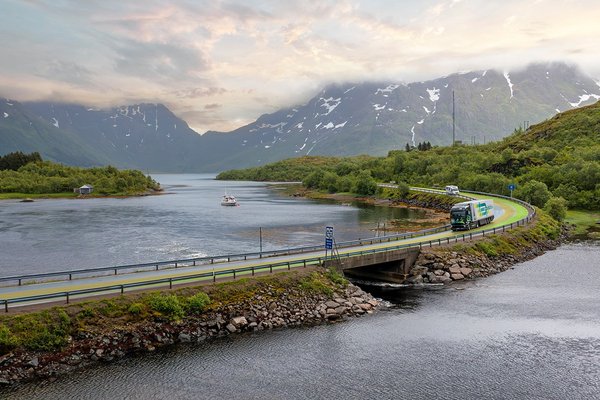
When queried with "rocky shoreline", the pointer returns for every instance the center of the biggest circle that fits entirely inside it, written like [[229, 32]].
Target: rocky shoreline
[[267, 309], [442, 265]]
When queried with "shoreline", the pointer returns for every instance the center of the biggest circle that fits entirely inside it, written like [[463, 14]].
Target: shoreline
[[32, 197], [252, 305]]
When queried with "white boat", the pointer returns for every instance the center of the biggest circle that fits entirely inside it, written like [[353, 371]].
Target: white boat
[[229, 200]]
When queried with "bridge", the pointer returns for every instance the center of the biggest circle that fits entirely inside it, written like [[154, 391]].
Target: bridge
[[385, 258]]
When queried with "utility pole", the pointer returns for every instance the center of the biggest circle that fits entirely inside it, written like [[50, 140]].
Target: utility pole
[[453, 121]]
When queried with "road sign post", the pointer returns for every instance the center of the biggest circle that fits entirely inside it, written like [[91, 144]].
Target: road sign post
[[511, 187], [328, 239]]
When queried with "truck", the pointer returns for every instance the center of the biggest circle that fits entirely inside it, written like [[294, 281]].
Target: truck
[[471, 214], [452, 190]]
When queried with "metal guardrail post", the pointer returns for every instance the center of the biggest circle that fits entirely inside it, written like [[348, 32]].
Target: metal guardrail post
[[5, 305], [122, 289], [170, 283], [67, 297], [19, 282]]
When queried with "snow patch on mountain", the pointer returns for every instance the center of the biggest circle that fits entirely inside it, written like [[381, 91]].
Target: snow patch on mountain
[[347, 90], [434, 94], [330, 103], [388, 89], [412, 130], [583, 98], [378, 107], [426, 110], [510, 85], [55, 123], [5, 115]]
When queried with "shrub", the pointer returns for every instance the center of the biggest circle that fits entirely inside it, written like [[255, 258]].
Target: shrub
[[136, 308], [336, 277], [556, 207], [8, 341], [167, 305], [198, 302]]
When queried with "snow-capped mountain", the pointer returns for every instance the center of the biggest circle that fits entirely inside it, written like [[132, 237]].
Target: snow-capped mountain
[[373, 118], [144, 136], [341, 120], [22, 130]]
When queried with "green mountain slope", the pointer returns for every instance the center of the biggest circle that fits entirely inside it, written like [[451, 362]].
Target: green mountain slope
[[20, 130]]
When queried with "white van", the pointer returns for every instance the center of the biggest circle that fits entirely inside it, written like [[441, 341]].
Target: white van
[[452, 190]]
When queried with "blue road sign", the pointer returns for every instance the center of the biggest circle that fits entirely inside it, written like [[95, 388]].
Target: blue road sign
[[512, 186], [329, 243]]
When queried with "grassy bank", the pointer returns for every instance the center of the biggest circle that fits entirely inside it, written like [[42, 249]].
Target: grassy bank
[[586, 224], [53, 329]]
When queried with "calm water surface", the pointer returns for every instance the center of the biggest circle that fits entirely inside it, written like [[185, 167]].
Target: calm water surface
[[529, 333], [64, 234]]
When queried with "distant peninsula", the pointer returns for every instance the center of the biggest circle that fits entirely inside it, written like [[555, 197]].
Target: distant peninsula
[[28, 176]]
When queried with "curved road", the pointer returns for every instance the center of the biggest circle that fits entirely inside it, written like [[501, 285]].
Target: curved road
[[506, 212]]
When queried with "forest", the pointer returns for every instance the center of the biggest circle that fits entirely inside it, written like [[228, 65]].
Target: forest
[[29, 174], [557, 160]]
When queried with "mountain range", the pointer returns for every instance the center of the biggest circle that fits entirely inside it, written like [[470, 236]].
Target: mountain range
[[341, 120]]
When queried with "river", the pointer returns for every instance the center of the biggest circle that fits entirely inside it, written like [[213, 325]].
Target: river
[[187, 221], [532, 332]]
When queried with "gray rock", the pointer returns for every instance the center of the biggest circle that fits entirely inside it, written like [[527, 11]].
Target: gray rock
[[184, 337], [458, 277], [231, 328]]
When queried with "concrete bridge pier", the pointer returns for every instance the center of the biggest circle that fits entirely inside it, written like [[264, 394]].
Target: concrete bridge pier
[[388, 266]]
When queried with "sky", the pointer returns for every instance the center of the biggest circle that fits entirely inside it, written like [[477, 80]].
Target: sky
[[220, 65]]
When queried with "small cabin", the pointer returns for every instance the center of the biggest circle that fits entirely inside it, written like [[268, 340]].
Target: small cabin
[[85, 189]]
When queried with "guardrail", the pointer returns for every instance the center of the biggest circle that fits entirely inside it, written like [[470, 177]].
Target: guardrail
[[68, 295], [191, 262]]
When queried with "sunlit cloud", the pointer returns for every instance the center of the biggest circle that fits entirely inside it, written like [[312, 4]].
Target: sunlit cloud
[[220, 64]]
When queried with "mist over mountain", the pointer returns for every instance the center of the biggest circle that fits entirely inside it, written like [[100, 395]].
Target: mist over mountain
[[343, 119]]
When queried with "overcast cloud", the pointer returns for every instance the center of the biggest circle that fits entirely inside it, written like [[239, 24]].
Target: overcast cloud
[[221, 64]]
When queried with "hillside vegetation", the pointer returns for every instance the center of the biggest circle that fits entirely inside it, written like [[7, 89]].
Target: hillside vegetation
[[557, 158], [22, 174]]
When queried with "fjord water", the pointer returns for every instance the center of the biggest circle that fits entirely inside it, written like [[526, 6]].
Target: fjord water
[[532, 332], [188, 221]]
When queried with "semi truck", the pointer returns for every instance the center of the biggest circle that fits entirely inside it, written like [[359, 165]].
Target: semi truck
[[471, 214]]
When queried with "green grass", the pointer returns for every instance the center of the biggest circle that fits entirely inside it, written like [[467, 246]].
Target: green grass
[[583, 220]]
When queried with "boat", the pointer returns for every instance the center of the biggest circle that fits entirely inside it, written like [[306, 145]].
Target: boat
[[229, 200]]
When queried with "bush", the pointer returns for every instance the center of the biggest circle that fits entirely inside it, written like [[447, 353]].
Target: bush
[[136, 308], [198, 302], [8, 341], [167, 305], [556, 207]]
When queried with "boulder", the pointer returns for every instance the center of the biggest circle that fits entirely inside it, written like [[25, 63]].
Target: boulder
[[239, 322], [466, 271], [458, 277], [455, 269]]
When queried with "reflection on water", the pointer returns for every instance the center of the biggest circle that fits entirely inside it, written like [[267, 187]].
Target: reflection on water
[[188, 221]]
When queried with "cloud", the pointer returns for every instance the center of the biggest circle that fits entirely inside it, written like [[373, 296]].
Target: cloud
[[249, 58], [66, 71]]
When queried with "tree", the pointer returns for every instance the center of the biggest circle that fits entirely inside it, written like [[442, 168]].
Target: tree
[[556, 207], [365, 184], [534, 192], [402, 190]]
